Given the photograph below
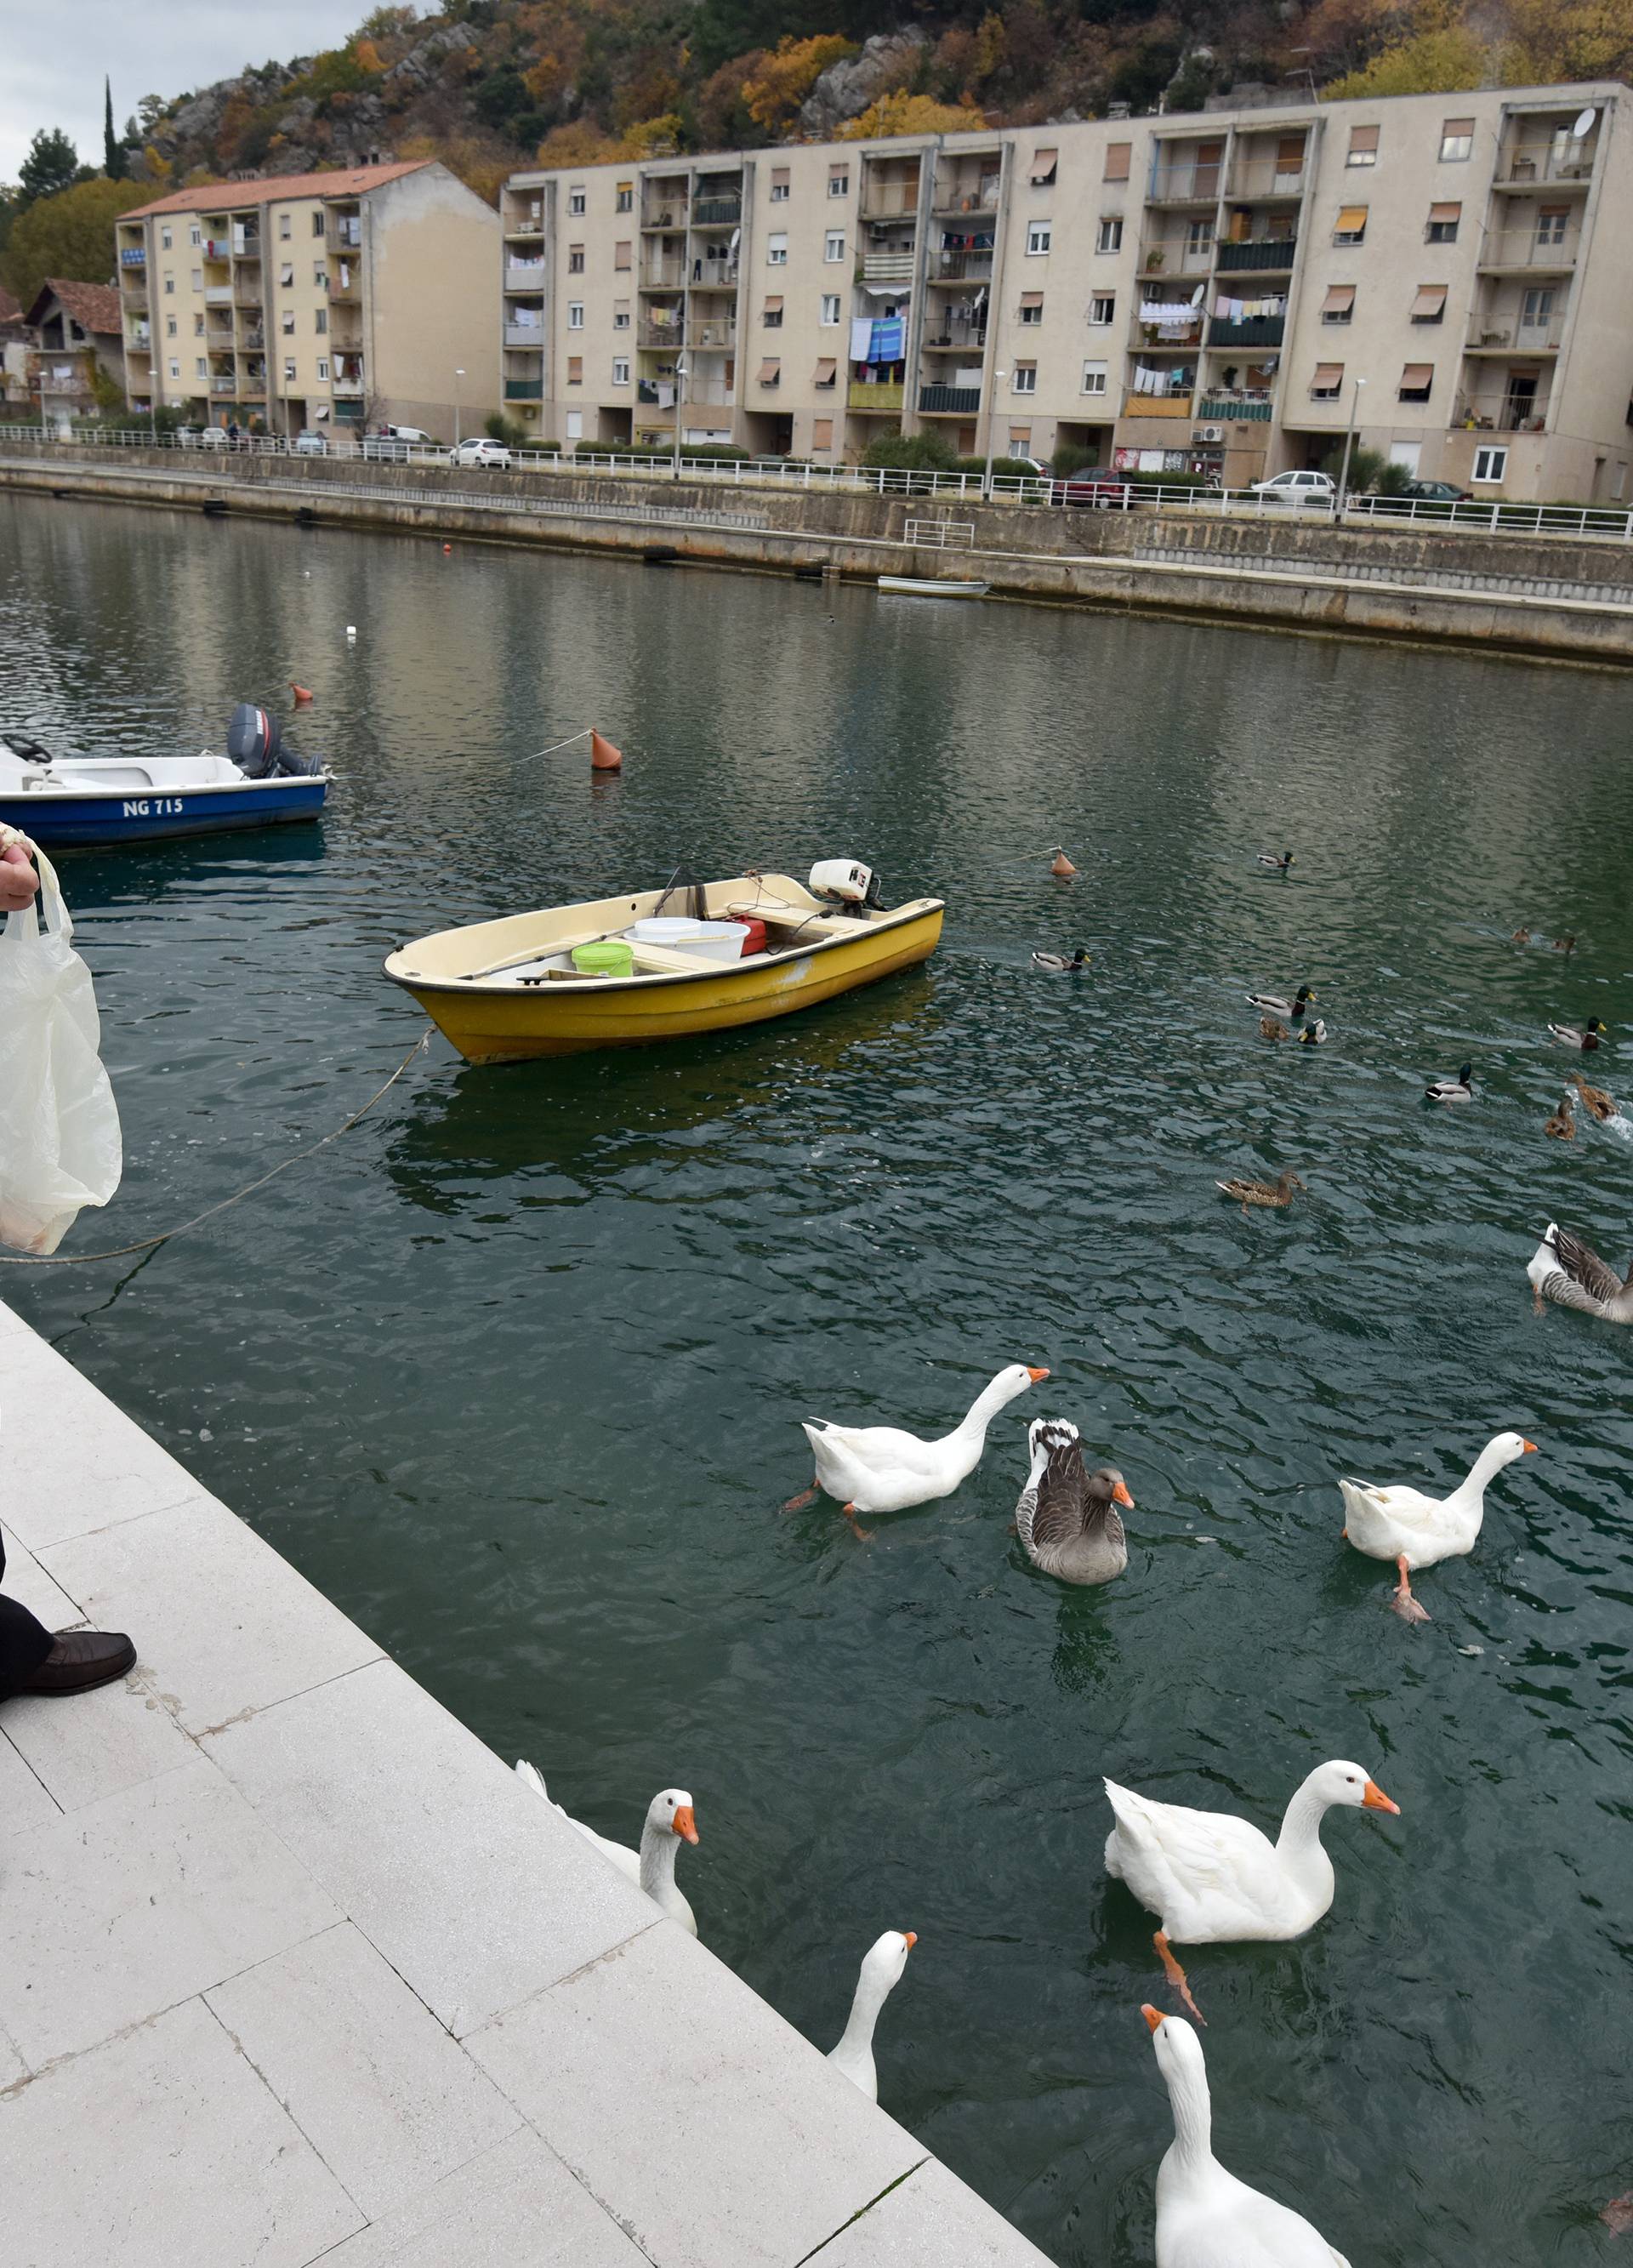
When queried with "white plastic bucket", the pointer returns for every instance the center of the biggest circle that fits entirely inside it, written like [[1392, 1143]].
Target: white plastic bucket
[[713, 940]]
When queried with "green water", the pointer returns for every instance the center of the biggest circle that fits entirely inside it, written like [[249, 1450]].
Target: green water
[[514, 1373]]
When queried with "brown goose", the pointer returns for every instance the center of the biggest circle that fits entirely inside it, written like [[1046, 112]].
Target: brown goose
[[1067, 1519], [1571, 1273]]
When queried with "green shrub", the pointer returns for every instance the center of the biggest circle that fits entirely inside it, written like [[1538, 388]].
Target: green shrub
[[511, 430], [1072, 457], [930, 451]]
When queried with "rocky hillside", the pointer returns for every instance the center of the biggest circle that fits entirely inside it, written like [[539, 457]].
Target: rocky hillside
[[488, 84]]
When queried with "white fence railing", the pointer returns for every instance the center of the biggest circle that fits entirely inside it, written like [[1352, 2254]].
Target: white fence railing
[[1088, 490]]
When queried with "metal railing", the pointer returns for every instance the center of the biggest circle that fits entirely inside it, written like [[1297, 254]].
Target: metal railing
[[888, 200], [1272, 255], [1185, 185], [1263, 177], [1530, 247], [960, 267], [1501, 412], [1535, 161], [1252, 331], [1504, 330], [950, 400], [965, 194], [888, 267], [1608, 523], [1172, 255]]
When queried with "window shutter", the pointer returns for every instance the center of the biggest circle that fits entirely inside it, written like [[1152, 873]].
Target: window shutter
[[1327, 375], [1364, 141], [1351, 220], [1290, 154], [822, 432], [1439, 215], [621, 255], [575, 370], [1457, 129], [1417, 377], [827, 369], [770, 371], [1339, 300], [1430, 300], [1044, 163], [1032, 298], [773, 304], [780, 177], [1118, 155]]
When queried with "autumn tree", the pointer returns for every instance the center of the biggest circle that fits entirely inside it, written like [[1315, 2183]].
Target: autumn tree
[[70, 234], [1443, 61], [787, 76], [902, 113]]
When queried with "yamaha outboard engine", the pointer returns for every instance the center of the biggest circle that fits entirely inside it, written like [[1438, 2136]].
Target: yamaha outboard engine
[[253, 739]]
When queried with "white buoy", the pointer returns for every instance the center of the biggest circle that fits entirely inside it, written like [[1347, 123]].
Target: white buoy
[[351, 630]]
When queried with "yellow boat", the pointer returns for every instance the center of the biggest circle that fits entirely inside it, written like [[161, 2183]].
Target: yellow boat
[[504, 990]]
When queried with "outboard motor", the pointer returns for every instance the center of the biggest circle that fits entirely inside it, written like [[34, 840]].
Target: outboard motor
[[848, 879], [254, 741]]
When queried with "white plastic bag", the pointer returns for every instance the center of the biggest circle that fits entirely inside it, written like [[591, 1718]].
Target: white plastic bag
[[59, 1127]]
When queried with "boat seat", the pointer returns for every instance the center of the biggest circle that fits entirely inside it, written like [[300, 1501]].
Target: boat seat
[[650, 960], [810, 927]]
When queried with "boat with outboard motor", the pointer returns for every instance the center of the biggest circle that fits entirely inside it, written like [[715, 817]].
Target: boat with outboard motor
[[77, 802], [661, 964]]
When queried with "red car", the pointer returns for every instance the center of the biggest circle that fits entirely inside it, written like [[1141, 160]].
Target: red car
[[1099, 492]]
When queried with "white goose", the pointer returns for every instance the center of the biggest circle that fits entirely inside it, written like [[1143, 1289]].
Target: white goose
[[1205, 2217], [1416, 1530], [669, 1822], [882, 1965], [1216, 1880], [879, 1468]]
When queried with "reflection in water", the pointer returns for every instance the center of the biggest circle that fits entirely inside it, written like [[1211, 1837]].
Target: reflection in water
[[514, 1371]]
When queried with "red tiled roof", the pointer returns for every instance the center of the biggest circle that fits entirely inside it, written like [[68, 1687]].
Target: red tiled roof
[[93, 306], [228, 196]]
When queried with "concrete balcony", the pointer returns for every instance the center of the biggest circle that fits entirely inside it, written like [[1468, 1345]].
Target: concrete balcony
[[224, 386], [525, 276], [217, 295], [888, 200], [1524, 251], [1509, 333], [1262, 181], [963, 267], [1254, 331], [716, 213], [888, 267], [1155, 405], [1185, 185], [664, 212], [1171, 255], [352, 382], [524, 389], [662, 275], [949, 401], [524, 335], [716, 336], [345, 282], [875, 401], [1219, 409], [1528, 164], [138, 338], [528, 222], [958, 338], [133, 255], [1271, 255]]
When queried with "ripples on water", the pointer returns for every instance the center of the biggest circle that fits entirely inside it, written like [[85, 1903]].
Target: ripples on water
[[514, 1372]]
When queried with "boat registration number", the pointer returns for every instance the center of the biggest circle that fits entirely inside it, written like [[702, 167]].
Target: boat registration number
[[153, 807]]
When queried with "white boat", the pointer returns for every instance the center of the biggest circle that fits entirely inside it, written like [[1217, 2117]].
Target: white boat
[[64, 802], [924, 587]]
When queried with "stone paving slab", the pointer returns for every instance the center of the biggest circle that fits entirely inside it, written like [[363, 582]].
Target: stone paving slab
[[109, 1741], [25, 1579], [25, 1805], [75, 1462], [932, 2216]]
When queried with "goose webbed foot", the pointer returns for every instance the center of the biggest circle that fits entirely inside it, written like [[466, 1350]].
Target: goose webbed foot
[[1175, 1974], [806, 1495], [1404, 1604], [863, 1535]]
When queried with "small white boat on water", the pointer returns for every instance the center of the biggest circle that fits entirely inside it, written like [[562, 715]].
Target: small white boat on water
[[68, 802], [924, 586]]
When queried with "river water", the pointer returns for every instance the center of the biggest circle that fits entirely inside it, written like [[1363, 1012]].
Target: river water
[[514, 1372]]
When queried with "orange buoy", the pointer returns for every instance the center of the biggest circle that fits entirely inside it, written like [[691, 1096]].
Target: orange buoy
[[1063, 868], [447, 546], [299, 692], [603, 756]]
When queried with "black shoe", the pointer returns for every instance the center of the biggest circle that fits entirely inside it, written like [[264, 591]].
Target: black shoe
[[80, 1660]]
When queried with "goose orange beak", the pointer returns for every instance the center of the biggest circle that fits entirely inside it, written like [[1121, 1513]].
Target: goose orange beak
[[1528, 1448], [1153, 2016], [1035, 1374], [1373, 1798], [685, 1825], [909, 1937], [1120, 1495]]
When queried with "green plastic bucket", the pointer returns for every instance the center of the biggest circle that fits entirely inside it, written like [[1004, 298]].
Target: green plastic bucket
[[612, 959]]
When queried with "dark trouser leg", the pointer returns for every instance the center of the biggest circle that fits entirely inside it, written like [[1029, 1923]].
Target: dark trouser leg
[[24, 1642]]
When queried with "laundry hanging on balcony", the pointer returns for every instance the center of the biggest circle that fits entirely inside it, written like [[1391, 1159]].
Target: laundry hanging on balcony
[[1164, 382], [861, 337], [1176, 312], [888, 342], [982, 241], [1247, 311]]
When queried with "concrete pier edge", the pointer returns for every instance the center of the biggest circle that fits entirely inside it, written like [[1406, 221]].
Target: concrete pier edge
[[292, 1967]]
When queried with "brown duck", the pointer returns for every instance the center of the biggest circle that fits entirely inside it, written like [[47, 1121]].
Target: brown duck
[[1245, 1193]]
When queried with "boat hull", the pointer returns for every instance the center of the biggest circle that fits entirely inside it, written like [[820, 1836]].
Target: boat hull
[[923, 586], [85, 821], [509, 1025]]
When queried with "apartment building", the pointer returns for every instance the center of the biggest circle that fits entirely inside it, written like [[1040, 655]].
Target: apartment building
[[321, 301], [1217, 291]]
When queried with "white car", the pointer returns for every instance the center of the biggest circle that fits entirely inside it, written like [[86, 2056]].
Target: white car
[[1298, 489], [480, 451]]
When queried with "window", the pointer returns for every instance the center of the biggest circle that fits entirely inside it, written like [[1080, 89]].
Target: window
[[620, 314], [623, 200], [827, 371], [323, 369], [198, 326], [1429, 304], [1199, 236], [622, 254], [839, 180], [198, 279], [1021, 440], [777, 251], [1025, 377], [822, 432], [1490, 466], [321, 320], [771, 315], [1551, 224], [1093, 378], [1339, 305], [1039, 233], [170, 326], [575, 203], [175, 370], [319, 276], [164, 239], [1350, 226], [1457, 141], [1415, 380], [575, 425], [770, 373], [289, 370], [1110, 237], [286, 275], [284, 227], [170, 283], [830, 308], [575, 315], [1443, 220], [1045, 165], [1536, 310], [779, 185], [621, 369], [318, 223], [1032, 307], [1328, 383], [1102, 309], [1117, 157], [834, 244], [1363, 146], [196, 234], [575, 370], [201, 368], [575, 260], [287, 321]]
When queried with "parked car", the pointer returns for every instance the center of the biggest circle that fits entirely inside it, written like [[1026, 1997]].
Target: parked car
[[1414, 497], [201, 436], [311, 445], [1095, 491], [392, 444], [1300, 491], [480, 451], [1436, 492]]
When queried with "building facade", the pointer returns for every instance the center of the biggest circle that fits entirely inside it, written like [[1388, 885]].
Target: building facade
[[1218, 292], [321, 301], [72, 329]]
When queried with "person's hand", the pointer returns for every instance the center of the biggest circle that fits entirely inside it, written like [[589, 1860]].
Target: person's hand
[[18, 879]]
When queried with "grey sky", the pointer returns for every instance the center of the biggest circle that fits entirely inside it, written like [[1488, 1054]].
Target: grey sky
[[57, 51]]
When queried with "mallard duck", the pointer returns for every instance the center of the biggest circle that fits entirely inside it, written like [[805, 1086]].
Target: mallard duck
[[1214, 1880], [1313, 1036], [882, 1965], [1601, 1105], [1564, 945], [1275, 1005], [1415, 1530], [1561, 1127], [1521, 937], [1452, 1090], [1270, 1029], [1058, 963], [1280, 864], [879, 1469], [669, 1822], [1572, 1274], [1245, 1193], [1067, 1519], [1205, 2217], [1587, 1039]]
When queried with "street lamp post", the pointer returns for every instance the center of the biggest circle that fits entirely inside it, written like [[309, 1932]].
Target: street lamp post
[[1343, 477], [680, 374], [998, 377], [457, 375]]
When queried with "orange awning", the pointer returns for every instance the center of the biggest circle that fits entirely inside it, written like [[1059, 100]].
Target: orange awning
[[1351, 220], [1430, 300], [1339, 300], [1417, 377], [1032, 298], [1043, 164], [774, 305], [770, 373], [1328, 376], [827, 369]]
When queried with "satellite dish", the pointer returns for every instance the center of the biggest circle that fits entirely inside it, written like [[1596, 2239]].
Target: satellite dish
[[1199, 295], [1584, 126]]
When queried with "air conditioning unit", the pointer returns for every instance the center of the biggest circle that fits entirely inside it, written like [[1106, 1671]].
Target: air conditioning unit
[[1208, 433]]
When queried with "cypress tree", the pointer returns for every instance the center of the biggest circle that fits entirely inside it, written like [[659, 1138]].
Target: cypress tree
[[112, 148]]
